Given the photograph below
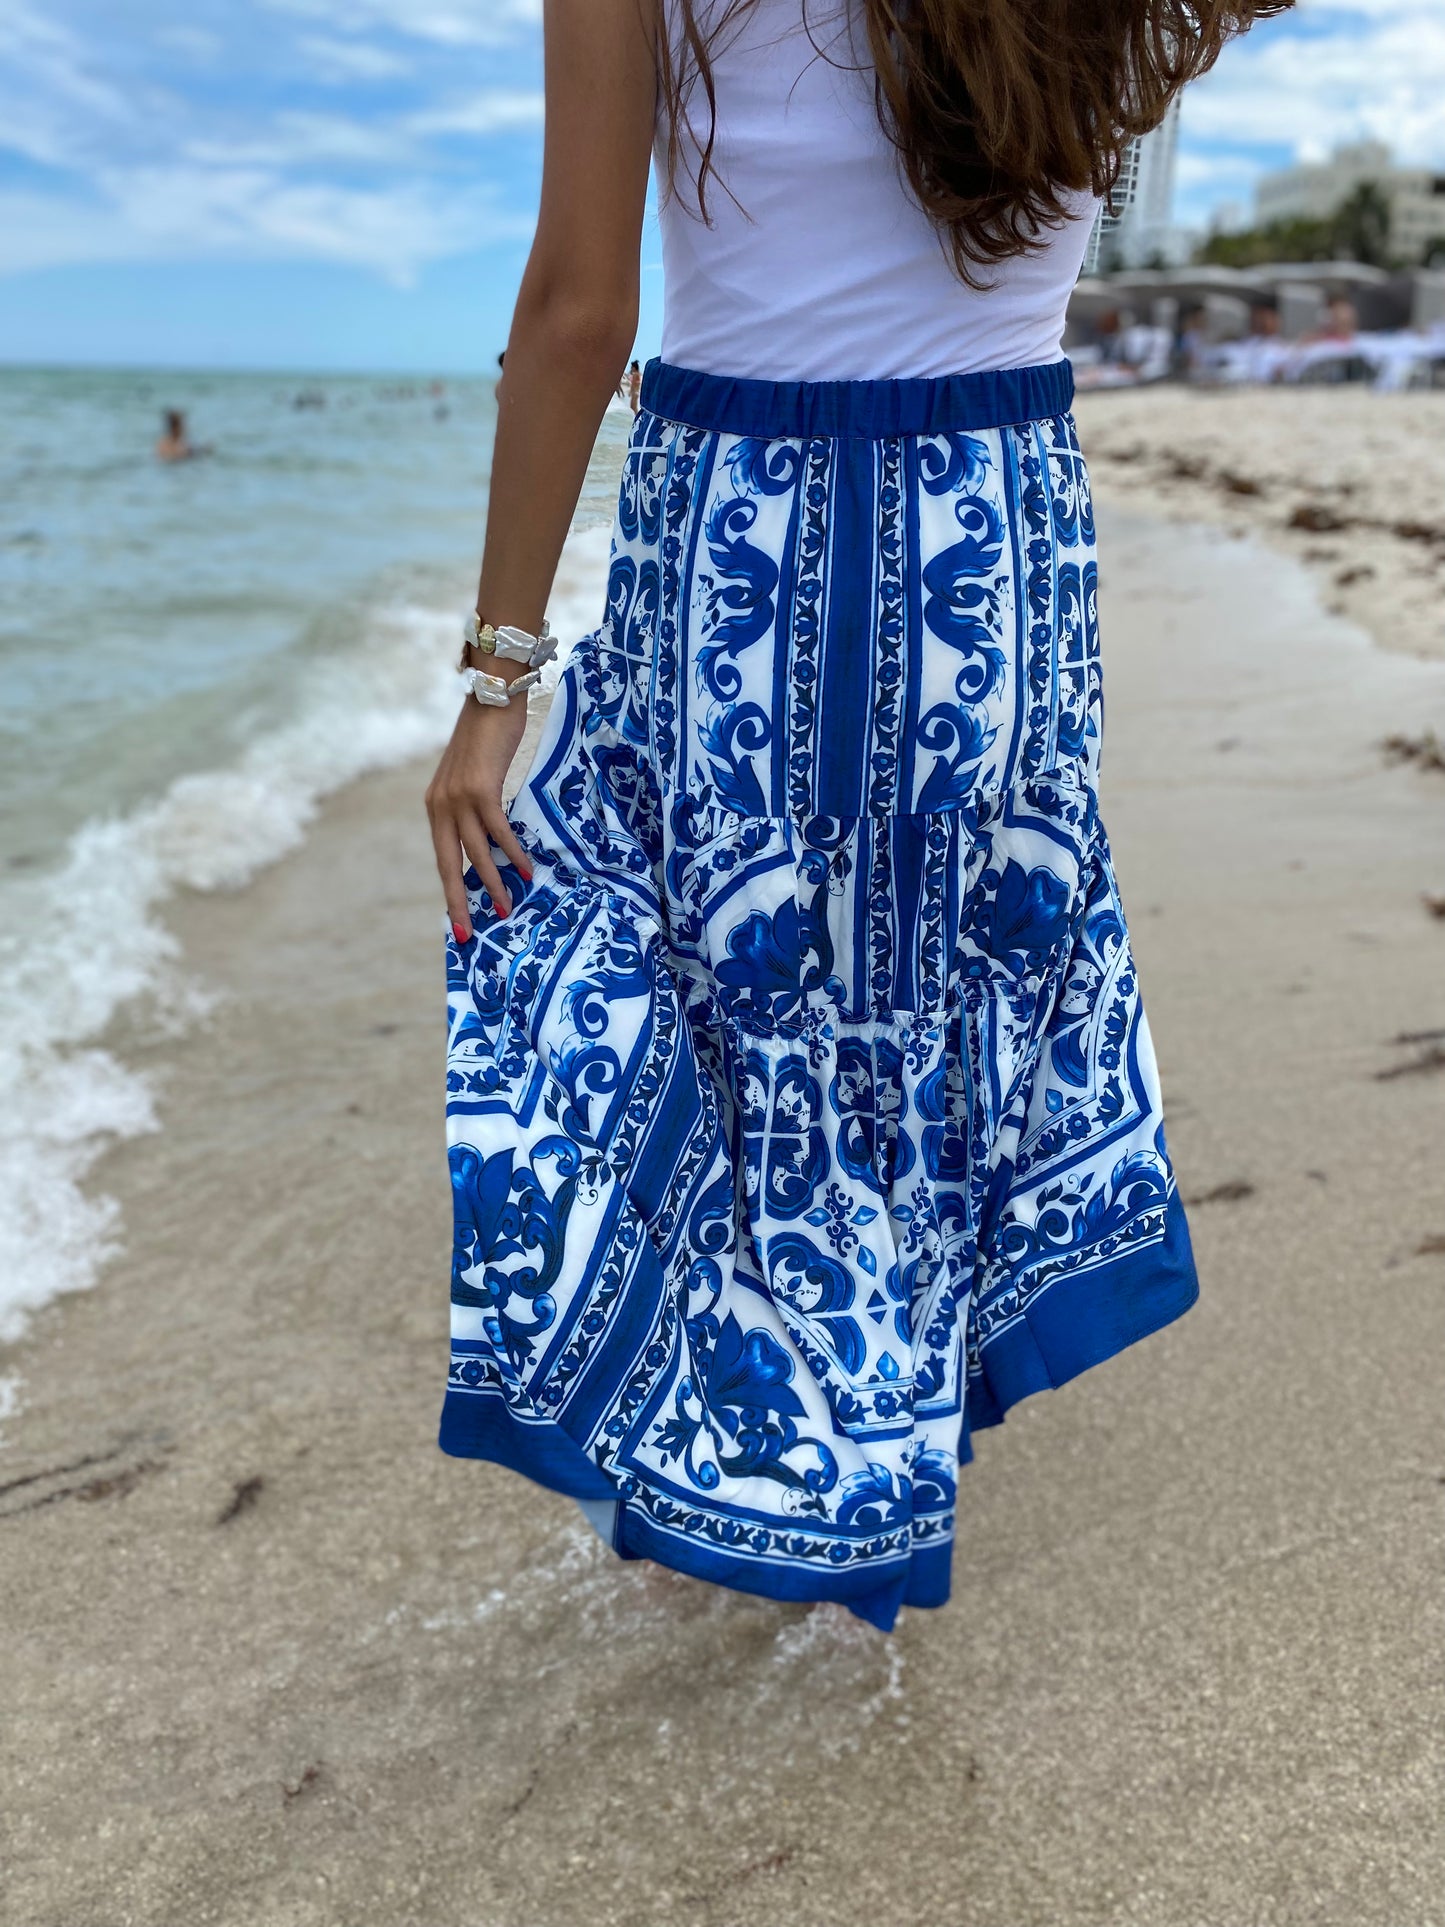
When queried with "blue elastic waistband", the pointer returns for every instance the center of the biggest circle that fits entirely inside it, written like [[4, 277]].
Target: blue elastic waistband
[[866, 410]]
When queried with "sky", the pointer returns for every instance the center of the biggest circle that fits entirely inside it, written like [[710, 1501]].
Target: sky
[[351, 183]]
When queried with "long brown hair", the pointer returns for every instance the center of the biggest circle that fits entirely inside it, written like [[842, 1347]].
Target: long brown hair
[[998, 108]]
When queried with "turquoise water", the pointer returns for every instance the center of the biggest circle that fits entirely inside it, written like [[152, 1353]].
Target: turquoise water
[[152, 617], [191, 657]]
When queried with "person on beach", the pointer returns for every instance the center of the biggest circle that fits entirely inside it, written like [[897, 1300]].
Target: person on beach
[[1342, 320], [802, 1112], [634, 387]]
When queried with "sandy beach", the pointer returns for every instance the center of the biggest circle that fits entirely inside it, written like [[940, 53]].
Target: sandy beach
[[271, 1661], [1350, 483]]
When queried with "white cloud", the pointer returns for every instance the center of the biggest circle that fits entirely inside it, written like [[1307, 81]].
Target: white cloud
[[303, 140], [250, 214], [196, 43], [50, 98], [340, 63], [1385, 80], [452, 23], [54, 230], [1202, 173], [1335, 70], [279, 161], [495, 111], [296, 140]]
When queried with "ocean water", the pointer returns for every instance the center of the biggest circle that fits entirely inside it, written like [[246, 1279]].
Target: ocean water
[[191, 658]]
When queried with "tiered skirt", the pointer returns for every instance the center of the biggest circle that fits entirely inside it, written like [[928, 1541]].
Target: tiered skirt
[[803, 1115]]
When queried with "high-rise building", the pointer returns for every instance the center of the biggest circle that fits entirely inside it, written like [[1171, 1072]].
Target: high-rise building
[[1314, 190], [1140, 231]]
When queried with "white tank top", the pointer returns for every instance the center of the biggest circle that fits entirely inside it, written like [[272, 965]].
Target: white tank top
[[818, 264]]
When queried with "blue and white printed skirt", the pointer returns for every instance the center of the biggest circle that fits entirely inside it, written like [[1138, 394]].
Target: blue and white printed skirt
[[803, 1115]]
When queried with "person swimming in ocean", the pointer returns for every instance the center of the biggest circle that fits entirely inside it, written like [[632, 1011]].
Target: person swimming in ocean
[[175, 444]]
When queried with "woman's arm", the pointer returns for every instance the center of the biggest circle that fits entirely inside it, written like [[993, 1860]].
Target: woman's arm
[[573, 327]]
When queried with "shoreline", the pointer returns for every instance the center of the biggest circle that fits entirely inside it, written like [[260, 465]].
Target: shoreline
[[68, 996], [305, 1653]]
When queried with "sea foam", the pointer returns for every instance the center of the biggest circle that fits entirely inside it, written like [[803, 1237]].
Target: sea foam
[[81, 943]]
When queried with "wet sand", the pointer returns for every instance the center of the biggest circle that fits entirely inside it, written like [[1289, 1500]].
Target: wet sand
[[1348, 482], [271, 1661]]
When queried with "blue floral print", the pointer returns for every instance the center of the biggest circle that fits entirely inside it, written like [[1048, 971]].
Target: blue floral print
[[803, 1115]]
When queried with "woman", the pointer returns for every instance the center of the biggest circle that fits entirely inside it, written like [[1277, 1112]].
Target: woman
[[802, 1111]]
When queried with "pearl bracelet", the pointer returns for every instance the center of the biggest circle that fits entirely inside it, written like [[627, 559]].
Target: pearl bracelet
[[495, 692], [509, 644]]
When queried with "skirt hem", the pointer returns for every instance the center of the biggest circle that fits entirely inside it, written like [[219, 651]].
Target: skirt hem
[[1053, 1342], [1074, 1326]]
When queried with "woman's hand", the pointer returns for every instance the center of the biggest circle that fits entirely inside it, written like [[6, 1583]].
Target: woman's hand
[[464, 802]]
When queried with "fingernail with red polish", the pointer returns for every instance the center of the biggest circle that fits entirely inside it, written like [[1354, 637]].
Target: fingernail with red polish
[[461, 933], [503, 909]]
